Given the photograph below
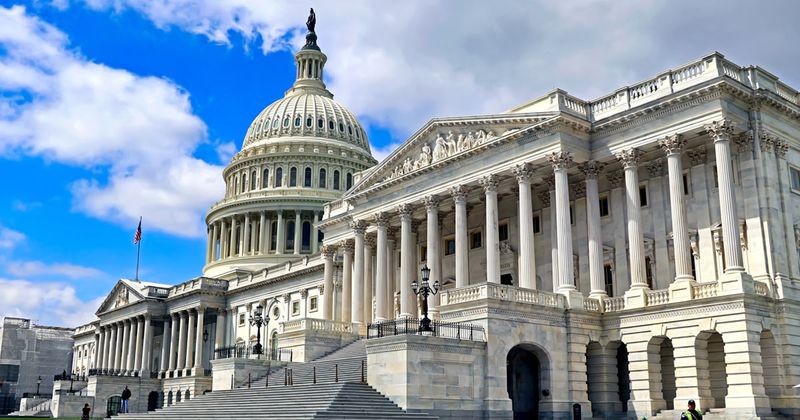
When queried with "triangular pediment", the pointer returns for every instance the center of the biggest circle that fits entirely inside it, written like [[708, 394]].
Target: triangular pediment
[[445, 140], [121, 295]]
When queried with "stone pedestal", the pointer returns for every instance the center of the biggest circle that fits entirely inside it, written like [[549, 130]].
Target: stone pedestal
[[736, 282], [636, 298], [233, 372], [681, 290]]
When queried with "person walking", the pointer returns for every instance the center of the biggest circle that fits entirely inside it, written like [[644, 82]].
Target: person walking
[[691, 413], [126, 395], [86, 411]]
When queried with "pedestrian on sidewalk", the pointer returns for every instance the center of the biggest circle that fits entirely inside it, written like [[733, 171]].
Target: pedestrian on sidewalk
[[86, 411], [691, 413], [126, 395]]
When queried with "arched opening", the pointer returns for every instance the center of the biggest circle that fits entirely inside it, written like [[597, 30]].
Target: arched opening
[[349, 181], [306, 236], [623, 377], [336, 180], [273, 345], [323, 174], [188, 395], [293, 177], [265, 178], [307, 178], [244, 182], [772, 374], [526, 379], [712, 381], [178, 395], [152, 401], [607, 379], [169, 398], [253, 180], [661, 367], [279, 177], [289, 240]]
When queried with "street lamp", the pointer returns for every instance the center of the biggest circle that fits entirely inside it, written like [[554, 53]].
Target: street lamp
[[205, 335], [424, 289], [38, 384], [258, 321]]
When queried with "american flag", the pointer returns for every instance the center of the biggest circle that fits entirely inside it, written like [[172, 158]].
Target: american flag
[[138, 236]]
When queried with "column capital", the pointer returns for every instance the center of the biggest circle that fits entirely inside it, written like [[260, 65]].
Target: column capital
[[673, 144], [544, 197], [744, 141], [522, 172], [560, 160], [550, 182], [381, 219], [459, 193], [405, 209], [328, 252], [369, 241], [591, 168], [781, 147], [431, 202], [489, 183], [347, 246], [721, 130], [358, 226], [629, 158]]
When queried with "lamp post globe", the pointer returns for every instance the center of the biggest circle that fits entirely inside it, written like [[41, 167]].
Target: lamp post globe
[[38, 384], [424, 289], [258, 320]]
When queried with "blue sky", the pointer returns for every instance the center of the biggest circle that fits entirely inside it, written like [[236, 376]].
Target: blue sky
[[114, 109]]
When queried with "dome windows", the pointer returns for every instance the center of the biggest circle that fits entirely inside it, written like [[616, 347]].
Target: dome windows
[[244, 182], [330, 125], [297, 121], [320, 123], [265, 178], [341, 127], [278, 177], [293, 177], [323, 178], [307, 178], [349, 183], [309, 121], [286, 121], [253, 181], [275, 122], [349, 129], [336, 180]]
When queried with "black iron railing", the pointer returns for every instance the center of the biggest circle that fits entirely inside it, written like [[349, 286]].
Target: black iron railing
[[246, 352], [72, 377], [406, 326]]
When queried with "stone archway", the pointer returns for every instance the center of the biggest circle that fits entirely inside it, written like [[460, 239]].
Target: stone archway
[[712, 378], [769, 362], [608, 379], [661, 369], [526, 376]]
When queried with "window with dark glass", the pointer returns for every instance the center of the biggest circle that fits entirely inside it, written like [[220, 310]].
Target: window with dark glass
[[290, 234], [297, 121], [244, 182], [265, 179], [423, 253], [643, 196], [293, 177], [307, 178], [571, 215], [323, 178], [279, 177], [253, 180], [330, 125], [335, 180], [502, 232], [320, 123], [449, 247], [286, 121], [608, 279], [686, 184], [794, 174], [537, 224], [476, 241], [604, 209], [349, 181], [273, 237], [306, 236]]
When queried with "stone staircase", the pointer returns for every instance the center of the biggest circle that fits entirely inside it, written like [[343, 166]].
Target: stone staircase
[[41, 409], [714, 414], [344, 400]]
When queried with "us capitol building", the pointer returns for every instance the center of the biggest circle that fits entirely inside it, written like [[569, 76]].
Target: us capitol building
[[613, 258]]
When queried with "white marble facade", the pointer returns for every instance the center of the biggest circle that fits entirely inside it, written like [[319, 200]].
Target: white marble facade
[[645, 242]]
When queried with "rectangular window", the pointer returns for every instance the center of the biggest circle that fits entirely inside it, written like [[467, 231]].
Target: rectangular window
[[648, 272], [571, 215], [475, 240], [608, 278], [423, 253], [643, 195], [312, 304], [296, 307], [604, 208], [449, 246], [794, 174], [241, 320], [537, 224], [502, 231], [687, 184], [716, 179]]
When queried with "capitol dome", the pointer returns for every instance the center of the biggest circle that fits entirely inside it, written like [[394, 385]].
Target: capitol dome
[[301, 152]]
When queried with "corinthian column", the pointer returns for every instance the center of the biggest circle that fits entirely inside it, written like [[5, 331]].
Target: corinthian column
[[199, 345], [406, 261], [673, 146], [262, 233], [369, 245], [382, 268], [630, 161], [592, 170], [328, 254], [223, 242], [126, 337], [165, 345], [215, 241], [232, 246], [347, 280], [720, 132], [357, 302], [432, 244], [489, 184], [137, 360], [181, 362], [174, 346], [280, 243], [147, 346], [459, 194], [560, 162], [298, 229], [527, 263]]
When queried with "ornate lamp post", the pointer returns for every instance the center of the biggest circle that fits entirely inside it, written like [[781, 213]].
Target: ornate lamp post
[[258, 321], [425, 289], [38, 384]]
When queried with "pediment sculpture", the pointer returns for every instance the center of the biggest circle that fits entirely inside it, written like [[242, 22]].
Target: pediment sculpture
[[443, 148]]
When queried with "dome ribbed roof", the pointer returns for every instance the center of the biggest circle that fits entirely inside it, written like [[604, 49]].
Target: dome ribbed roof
[[306, 114]]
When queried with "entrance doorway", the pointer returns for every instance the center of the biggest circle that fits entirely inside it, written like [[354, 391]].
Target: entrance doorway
[[524, 381], [113, 405]]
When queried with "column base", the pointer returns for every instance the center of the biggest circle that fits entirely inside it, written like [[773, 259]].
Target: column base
[[681, 290], [636, 298], [196, 372], [736, 282]]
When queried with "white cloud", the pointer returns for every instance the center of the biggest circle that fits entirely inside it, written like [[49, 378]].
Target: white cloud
[[10, 239], [380, 152], [140, 131], [54, 303], [398, 64], [36, 269]]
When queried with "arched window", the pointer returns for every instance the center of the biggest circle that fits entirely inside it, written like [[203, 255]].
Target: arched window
[[320, 123], [297, 121], [330, 125], [279, 177], [350, 129], [275, 122], [293, 177], [188, 395], [273, 237], [349, 181], [335, 180], [341, 127], [244, 182], [265, 179], [306, 236], [253, 181], [307, 178], [289, 240], [323, 174], [286, 121], [309, 121]]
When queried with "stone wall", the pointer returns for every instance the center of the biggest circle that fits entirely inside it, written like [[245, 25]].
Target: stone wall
[[105, 387], [233, 372]]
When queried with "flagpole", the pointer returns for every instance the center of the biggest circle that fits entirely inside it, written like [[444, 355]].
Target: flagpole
[[138, 246]]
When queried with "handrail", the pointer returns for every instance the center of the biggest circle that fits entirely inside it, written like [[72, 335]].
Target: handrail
[[411, 326]]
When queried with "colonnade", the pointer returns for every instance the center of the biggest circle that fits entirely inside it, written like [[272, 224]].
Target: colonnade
[[124, 346], [252, 234], [183, 342], [354, 303]]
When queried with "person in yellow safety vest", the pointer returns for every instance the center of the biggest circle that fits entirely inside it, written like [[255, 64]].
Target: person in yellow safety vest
[[691, 413]]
